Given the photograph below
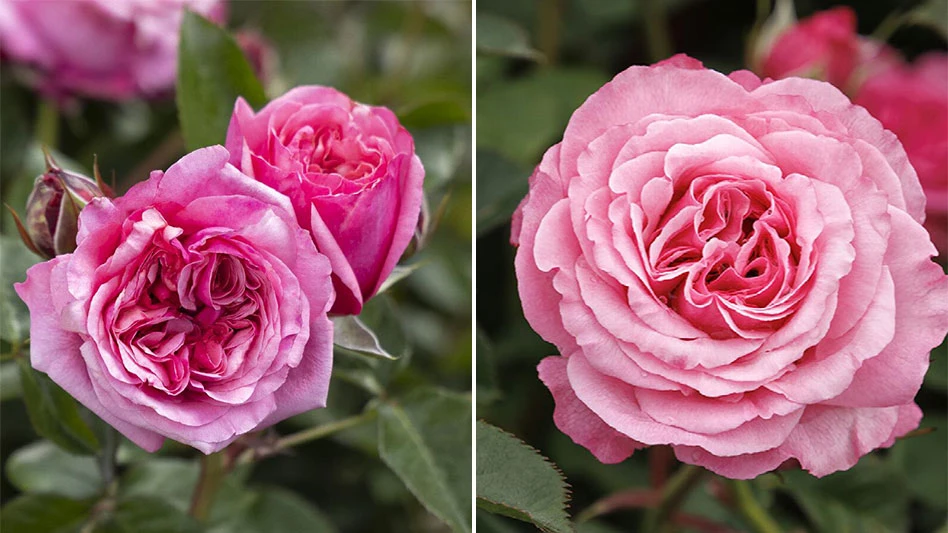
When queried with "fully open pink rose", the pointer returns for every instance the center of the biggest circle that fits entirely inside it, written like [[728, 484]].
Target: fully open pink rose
[[351, 173], [100, 48], [193, 308], [912, 101], [733, 268]]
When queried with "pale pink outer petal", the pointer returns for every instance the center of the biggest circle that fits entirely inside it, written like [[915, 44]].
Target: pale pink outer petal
[[828, 439], [921, 309], [573, 418], [824, 98], [659, 89], [614, 402], [539, 299], [56, 352]]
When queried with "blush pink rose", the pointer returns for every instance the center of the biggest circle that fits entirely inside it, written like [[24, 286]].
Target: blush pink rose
[[193, 308], [825, 46], [106, 49], [350, 171], [911, 100], [732, 268]]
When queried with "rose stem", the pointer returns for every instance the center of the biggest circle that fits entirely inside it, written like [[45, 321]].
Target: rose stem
[[47, 123], [660, 461], [673, 494], [751, 511], [656, 31], [213, 471], [107, 457], [319, 432], [548, 29], [310, 434]]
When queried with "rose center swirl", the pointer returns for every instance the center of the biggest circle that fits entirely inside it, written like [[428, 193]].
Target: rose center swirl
[[724, 255], [185, 318]]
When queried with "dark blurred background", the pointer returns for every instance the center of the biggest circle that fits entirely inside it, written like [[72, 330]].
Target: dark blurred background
[[566, 49]]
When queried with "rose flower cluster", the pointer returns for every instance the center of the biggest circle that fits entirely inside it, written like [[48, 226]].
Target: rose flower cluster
[[733, 267], [908, 98], [197, 305]]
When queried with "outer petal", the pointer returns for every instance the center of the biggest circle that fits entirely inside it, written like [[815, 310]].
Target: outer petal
[[56, 352], [537, 295], [826, 441], [409, 210], [578, 421], [921, 309]]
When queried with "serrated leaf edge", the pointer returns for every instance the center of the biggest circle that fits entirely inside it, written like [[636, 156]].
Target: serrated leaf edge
[[566, 487], [426, 455]]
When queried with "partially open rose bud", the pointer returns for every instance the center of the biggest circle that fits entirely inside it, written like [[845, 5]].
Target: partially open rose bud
[[52, 209]]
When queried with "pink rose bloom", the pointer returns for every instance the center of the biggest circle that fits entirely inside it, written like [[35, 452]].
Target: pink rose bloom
[[193, 308], [350, 171], [106, 49], [732, 268], [912, 102], [825, 46]]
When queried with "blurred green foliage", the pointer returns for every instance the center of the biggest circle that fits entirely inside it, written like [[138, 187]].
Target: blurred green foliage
[[536, 62], [413, 57]]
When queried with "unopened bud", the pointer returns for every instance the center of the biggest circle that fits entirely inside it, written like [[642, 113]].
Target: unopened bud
[[52, 209]]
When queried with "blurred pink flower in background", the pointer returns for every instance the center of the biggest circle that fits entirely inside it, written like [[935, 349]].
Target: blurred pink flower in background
[[824, 46], [910, 99], [260, 52], [350, 171], [107, 49]]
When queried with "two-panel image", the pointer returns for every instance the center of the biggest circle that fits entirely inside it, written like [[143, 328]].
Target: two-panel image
[[448, 266]]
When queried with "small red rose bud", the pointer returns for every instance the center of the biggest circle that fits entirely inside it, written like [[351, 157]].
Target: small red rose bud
[[52, 209]]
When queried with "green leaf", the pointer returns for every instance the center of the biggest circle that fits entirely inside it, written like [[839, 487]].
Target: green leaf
[[277, 509], [445, 151], [937, 376], [435, 113], [499, 36], [14, 131], [426, 440], [212, 73], [42, 467], [43, 513], [53, 412], [923, 460], [872, 496], [14, 315], [399, 273], [522, 118], [173, 481], [9, 381], [515, 480], [143, 514], [351, 334], [492, 523], [501, 185]]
